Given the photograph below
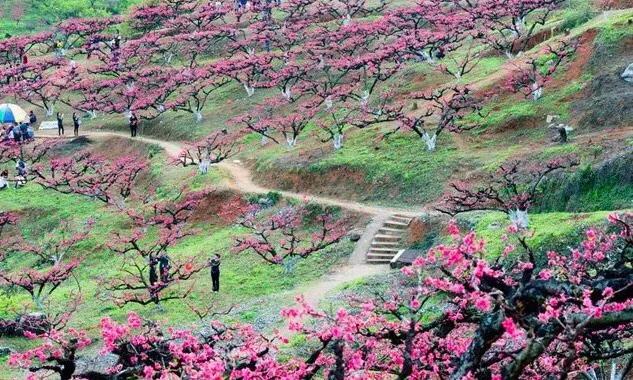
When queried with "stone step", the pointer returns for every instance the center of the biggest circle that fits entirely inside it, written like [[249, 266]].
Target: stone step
[[390, 231], [383, 237], [384, 244], [396, 225], [382, 254], [384, 250], [378, 261]]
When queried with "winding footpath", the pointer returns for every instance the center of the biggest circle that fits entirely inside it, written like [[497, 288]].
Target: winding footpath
[[241, 177], [241, 180]]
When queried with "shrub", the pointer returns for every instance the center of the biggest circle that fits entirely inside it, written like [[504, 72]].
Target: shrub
[[578, 13]]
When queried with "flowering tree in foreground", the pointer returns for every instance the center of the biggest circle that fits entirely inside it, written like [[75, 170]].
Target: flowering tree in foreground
[[286, 233], [57, 353], [517, 317], [513, 189], [456, 315]]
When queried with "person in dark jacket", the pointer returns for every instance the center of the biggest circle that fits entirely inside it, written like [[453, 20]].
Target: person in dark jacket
[[133, 124], [60, 123], [164, 266], [24, 130], [153, 275], [32, 118], [17, 132], [76, 123], [215, 272]]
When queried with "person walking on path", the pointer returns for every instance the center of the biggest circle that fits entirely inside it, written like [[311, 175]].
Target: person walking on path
[[60, 124], [76, 123], [215, 272], [133, 124]]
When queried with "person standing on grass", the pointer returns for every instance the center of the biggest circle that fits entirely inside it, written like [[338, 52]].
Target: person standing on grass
[[153, 275], [20, 179], [60, 124], [164, 267], [215, 272], [76, 123], [133, 124]]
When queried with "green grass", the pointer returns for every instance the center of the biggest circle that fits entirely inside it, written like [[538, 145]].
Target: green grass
[[608, 187], [549, 231], [38, 15], [244, 276], [247, 282], [514, 110], [577, 13], [411, 176], [611, 34]]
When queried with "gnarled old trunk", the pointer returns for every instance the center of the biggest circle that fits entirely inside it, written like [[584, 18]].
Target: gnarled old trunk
[[249, 90], [627, 74], [488, 332], [203, 167]]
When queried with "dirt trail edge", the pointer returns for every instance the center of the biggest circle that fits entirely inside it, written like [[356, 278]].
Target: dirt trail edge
[[241, 178]]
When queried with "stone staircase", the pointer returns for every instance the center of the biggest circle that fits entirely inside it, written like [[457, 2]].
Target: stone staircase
[[386, 242]]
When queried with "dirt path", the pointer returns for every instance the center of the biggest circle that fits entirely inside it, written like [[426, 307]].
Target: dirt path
[[242, 180]]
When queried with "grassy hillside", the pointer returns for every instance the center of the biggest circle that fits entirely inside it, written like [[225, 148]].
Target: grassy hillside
[[374, 166], [29, 16], [246, 280], [399, 170]]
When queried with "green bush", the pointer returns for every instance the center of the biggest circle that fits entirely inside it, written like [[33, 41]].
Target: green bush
[[269, 199], [606, 187], [315, 209], [578, 13]]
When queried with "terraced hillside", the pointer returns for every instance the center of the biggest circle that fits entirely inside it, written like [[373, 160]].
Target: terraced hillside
[[308, 144]]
